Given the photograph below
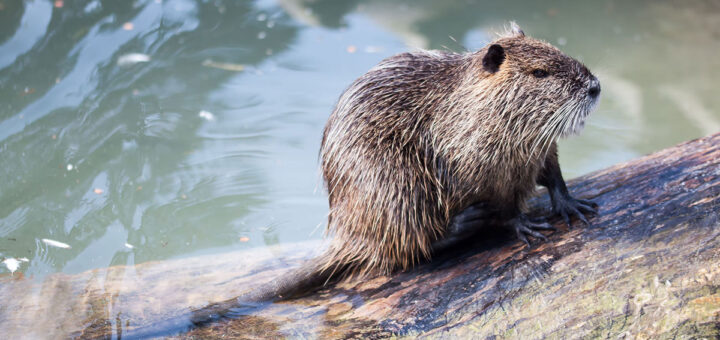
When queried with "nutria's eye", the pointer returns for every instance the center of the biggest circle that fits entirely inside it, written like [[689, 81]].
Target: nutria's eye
[[540, 73]]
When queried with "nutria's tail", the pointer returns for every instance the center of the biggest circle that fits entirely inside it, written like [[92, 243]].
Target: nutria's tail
[[307, 278]]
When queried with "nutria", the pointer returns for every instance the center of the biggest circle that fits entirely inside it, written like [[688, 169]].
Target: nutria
[[425, 135], [427, 145]]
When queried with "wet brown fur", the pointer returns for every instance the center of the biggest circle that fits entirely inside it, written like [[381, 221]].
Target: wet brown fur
[[422, 135]]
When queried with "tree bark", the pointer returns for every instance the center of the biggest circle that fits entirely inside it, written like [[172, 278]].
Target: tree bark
[[648, 266]]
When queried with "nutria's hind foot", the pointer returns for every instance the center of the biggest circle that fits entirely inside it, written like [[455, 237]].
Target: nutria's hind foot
[[568, 206], [470, 218], [464, 225], [523, 225]]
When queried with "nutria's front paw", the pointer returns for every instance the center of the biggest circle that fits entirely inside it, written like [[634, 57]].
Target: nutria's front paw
[[522, 225], [568, 206]]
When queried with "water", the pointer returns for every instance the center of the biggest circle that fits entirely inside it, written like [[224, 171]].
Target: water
[[149, 130]]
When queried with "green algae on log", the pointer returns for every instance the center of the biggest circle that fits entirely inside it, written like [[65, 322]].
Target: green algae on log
[[647, 267]]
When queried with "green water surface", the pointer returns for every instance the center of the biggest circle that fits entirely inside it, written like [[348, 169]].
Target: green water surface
[[135, 131]]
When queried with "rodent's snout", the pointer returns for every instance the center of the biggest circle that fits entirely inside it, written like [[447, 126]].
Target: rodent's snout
[[594, 89]]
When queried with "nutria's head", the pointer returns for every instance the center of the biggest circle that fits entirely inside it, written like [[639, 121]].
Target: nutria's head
[[549, 92]]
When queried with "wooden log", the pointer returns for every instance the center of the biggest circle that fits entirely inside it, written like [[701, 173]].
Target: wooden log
[[647, 267]]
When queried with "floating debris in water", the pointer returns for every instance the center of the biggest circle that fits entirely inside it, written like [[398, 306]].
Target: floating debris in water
[[129, 246], [128, 26], [98, 191], [261, 35], [13, 264], [132, 58], [223, 66], [69, 167], [351, 49], [59, 3], [562, 41], [54, 243], [244, 239], [207, 115]]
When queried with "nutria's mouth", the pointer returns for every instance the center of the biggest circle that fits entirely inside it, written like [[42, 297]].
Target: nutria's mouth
[[576, 122], [567, 120]]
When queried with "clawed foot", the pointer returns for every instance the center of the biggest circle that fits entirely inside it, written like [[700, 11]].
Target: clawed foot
[[569, 206], [524, 226]]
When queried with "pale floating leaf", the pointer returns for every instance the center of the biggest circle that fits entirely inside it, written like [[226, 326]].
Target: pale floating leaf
[[132, 58], [11, 264], [207, 115], [223, 66], [54, 243]]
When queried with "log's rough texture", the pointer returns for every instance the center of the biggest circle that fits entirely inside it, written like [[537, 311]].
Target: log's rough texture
[[647, 267]]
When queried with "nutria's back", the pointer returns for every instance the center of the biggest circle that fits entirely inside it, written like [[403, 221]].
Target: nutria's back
[[422, 135]]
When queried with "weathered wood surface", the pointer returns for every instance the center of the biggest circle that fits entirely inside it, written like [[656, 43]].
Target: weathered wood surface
[[648, 267]]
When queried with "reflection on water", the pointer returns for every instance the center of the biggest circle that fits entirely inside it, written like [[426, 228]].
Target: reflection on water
[[147, 130], [99, 154]]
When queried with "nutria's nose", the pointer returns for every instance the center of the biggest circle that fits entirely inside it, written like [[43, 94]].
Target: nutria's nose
[[594, 89]]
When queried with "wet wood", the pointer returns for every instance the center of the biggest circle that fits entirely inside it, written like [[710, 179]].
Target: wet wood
[[647, 267]]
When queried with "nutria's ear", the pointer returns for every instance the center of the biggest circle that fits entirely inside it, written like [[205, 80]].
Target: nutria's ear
[[516, 30], [493, 58]]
